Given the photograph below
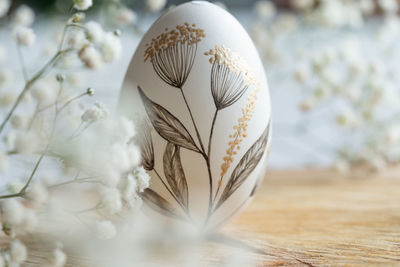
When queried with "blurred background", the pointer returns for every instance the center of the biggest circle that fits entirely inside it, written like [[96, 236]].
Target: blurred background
[[332, 68]]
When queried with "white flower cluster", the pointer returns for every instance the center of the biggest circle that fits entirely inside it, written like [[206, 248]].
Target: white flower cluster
[[347, 78], [341, 13], [45, 123]]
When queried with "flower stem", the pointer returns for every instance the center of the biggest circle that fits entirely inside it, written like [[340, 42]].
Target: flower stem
[[193, 121], [29, 84]]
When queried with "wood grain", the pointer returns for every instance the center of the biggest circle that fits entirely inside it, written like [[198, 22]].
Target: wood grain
[[305, 218], [321, 218]]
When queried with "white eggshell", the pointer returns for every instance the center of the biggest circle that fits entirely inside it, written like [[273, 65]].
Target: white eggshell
[[178, 68]]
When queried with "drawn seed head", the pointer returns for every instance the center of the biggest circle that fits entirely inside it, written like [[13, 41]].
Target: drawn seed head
[[172, 53], [230, 76]]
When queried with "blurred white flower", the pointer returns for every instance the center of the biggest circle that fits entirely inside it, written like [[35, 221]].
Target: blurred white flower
[[18, 121], [302, 5], [26, 143], [105, 230], [155, 5], [301, 74], [76, 39], [82, 4], [23, 16], [3, 52], [367, 6], [4, 6], [44, 91], [129, 188], [94, 32], [25, 36], [143, 179], [59, 258], [7, 98], [91, 57], [6, 77], [13, 211], [4, 162], [30, 220], [126, 16], [346, 118], [389, 6], [307, 104], [111, 200], [18, 252], [96, 112], [265, 9], [110, 47], [37, 193]]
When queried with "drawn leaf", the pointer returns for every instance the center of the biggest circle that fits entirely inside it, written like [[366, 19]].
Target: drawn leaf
[[159, 204], [145, 142], [167, 125], [174, 173], [245, 166]]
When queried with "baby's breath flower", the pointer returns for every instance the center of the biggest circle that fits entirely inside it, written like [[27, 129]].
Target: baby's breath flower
[[3, 52], [59, 258], [30, 221], [4, 163], [37, 193], [389, 6], [129, 187], [18, 121], [82, 4], [78, 17], [26, 143], [94, 32], [7, 98], [77, 39], [6, 77], [265, 9], [4, 6], [23, 16], [155, 5], [96, 112], [18, 252], [91, 57], [44, 91], [110, 47], [90, 91], [105, 230], [13, 211], [25, 36], [143, 179], [302, 5], [111, 200], [126, 16]]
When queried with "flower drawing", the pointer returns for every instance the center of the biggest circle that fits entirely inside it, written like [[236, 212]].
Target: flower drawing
[[172, 53]]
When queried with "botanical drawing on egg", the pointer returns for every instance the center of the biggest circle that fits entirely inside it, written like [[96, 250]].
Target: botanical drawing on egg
[[173, 54]]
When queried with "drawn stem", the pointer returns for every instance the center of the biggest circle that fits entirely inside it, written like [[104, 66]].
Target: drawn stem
[[205, 156], [193, 121]]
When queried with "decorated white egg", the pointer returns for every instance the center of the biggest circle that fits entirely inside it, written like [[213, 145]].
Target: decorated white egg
[[204, 114]]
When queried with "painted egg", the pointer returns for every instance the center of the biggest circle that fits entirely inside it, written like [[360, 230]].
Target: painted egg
[[201, 93]]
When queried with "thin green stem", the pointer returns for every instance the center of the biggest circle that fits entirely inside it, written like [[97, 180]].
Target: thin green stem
[[29, 84], [22, 62]]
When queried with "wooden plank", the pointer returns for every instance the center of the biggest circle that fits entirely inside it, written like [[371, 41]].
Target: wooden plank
[[304, 218], [322, 218]]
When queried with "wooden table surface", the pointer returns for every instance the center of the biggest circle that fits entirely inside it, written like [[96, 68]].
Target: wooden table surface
[[322, 218], [309, 218]]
